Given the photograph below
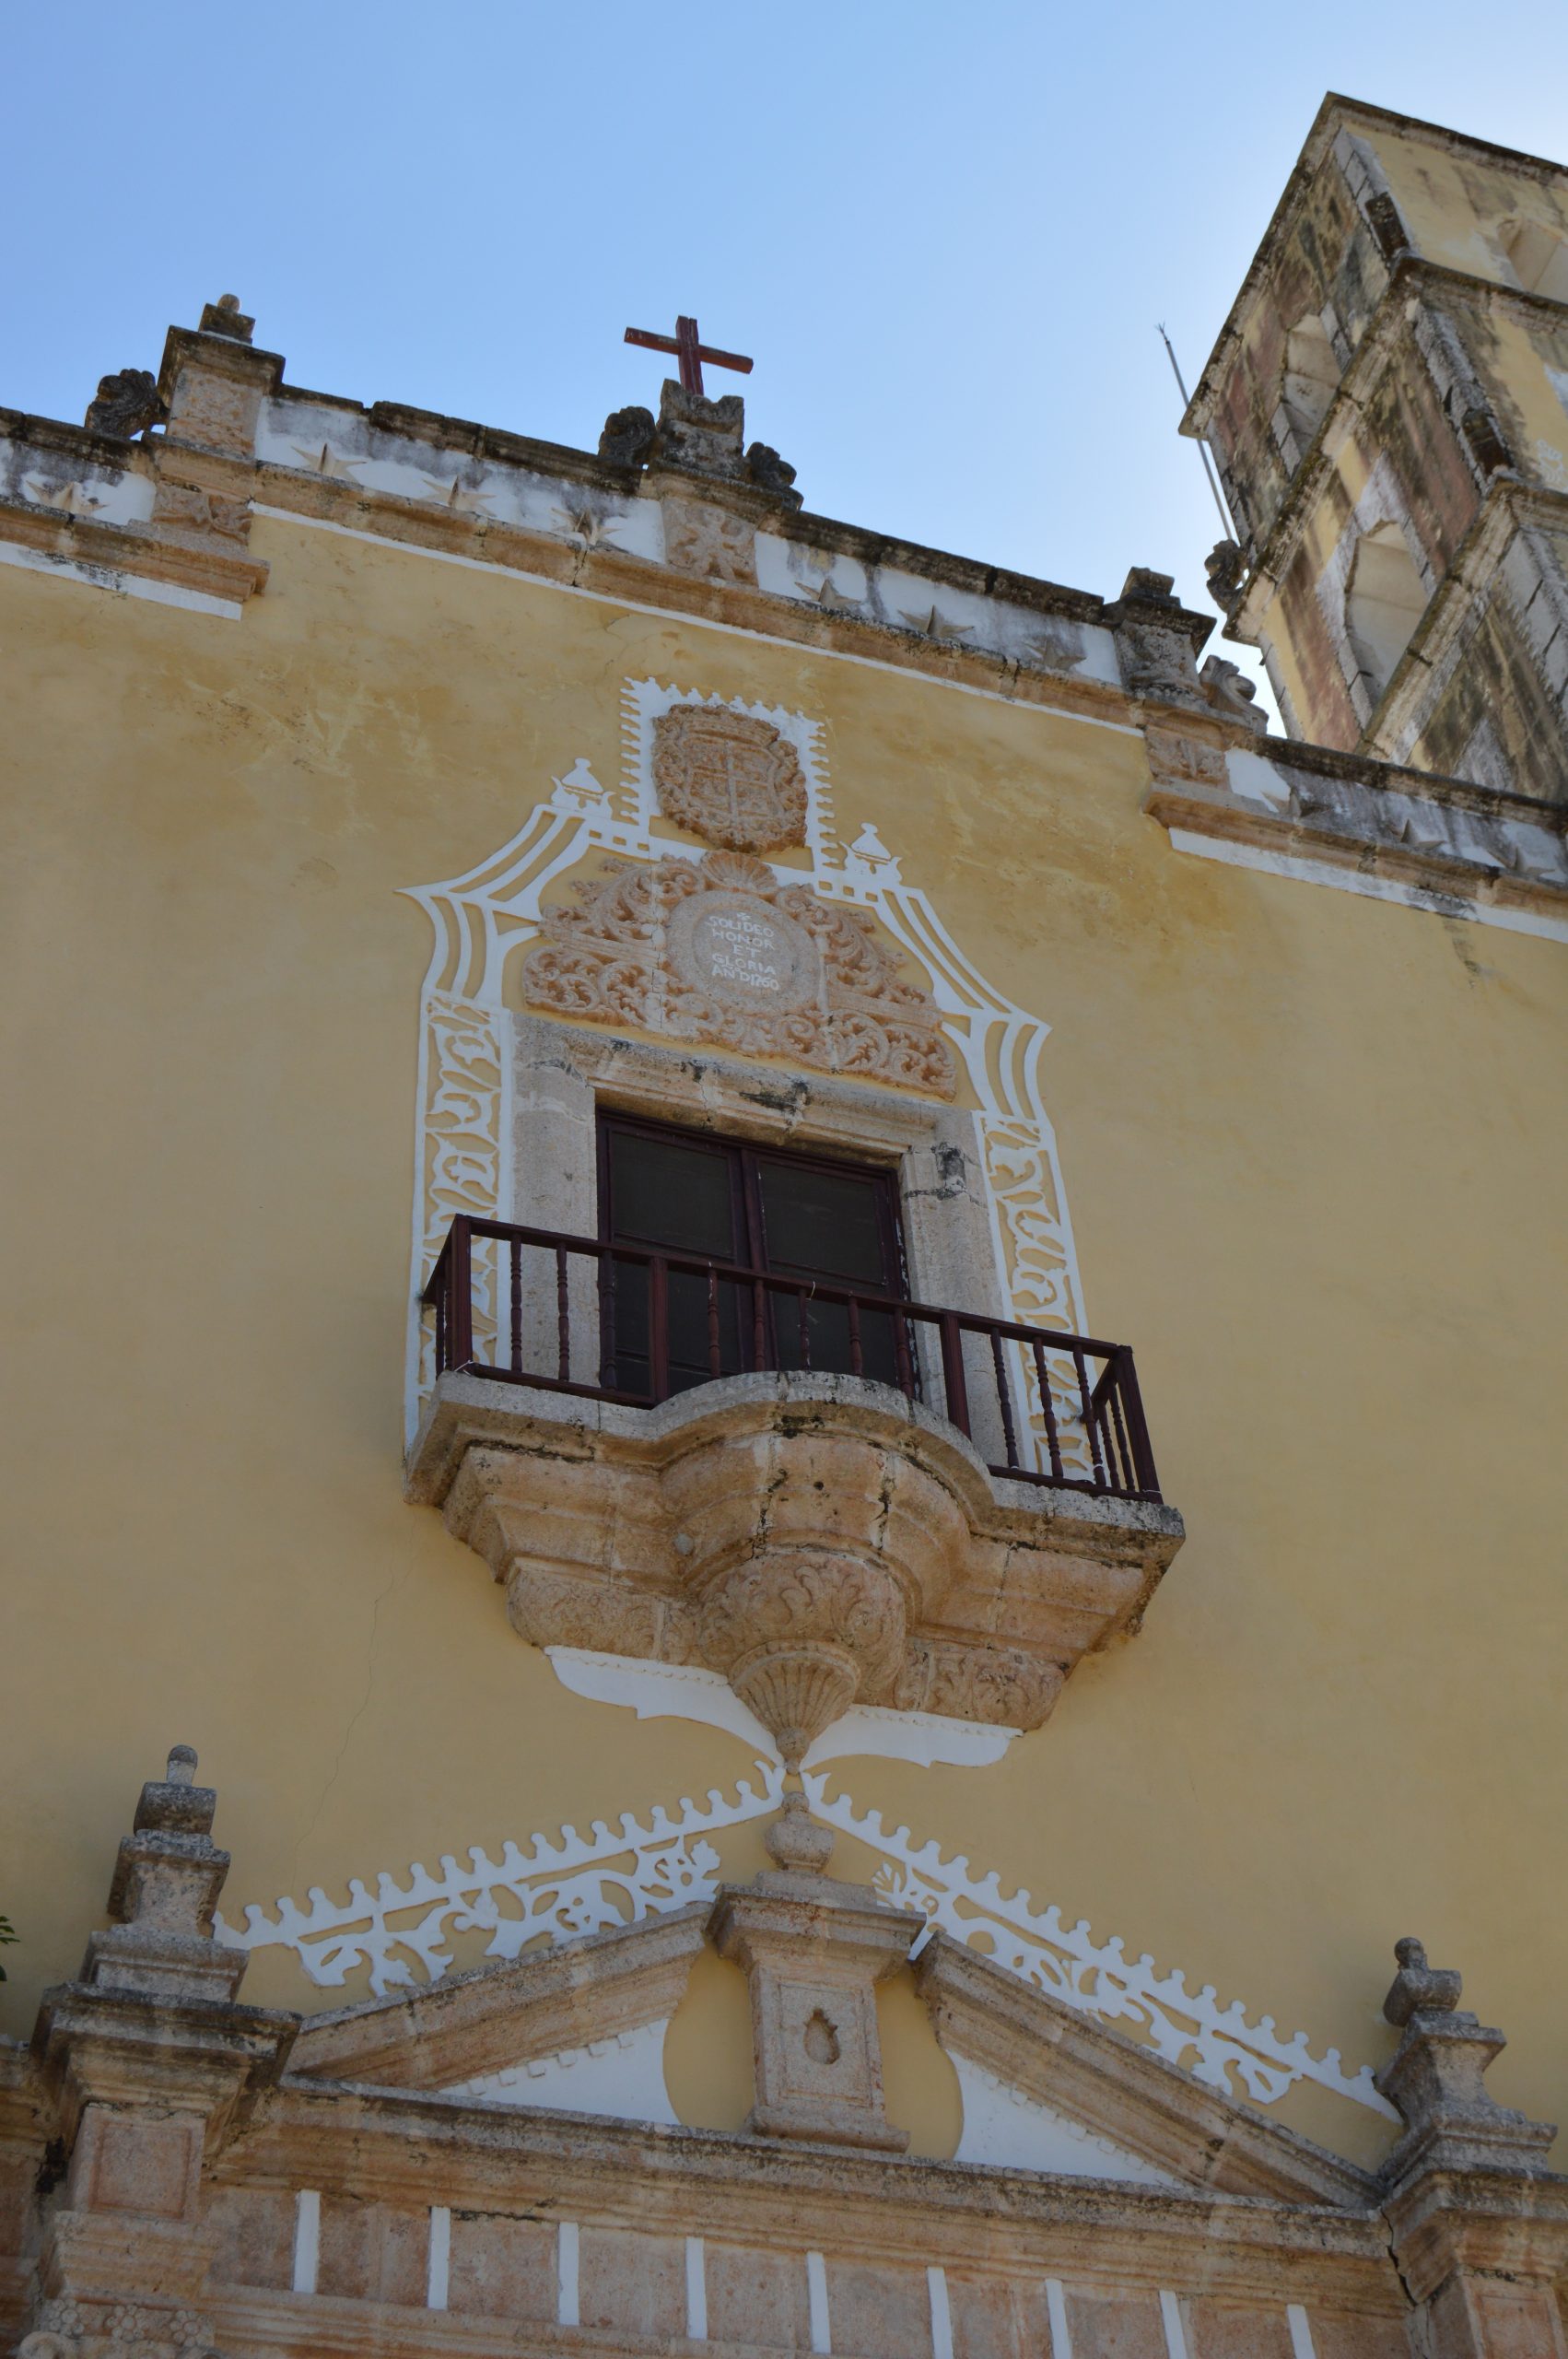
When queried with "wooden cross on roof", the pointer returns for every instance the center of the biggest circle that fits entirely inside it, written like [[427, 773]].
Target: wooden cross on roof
[[689, 352]]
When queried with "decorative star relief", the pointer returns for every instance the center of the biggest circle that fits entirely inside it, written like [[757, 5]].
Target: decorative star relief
[[327, 462], [72, 498], [461, 498], [587, 526], [935, 624], [826, 593]]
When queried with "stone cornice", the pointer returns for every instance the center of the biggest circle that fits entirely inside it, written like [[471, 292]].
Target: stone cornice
[[184, 561], [1458, 850], [382, 2145], [615, 575], [803, 525]]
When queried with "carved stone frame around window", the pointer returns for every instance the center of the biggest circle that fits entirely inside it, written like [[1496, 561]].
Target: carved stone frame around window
[[564, 1074]]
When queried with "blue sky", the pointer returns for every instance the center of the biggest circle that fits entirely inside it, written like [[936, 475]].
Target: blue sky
[[946, 233]]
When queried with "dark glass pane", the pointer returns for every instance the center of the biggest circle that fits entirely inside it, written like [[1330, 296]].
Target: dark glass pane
[[665, 1193], [679, 1195], [825, 1223]]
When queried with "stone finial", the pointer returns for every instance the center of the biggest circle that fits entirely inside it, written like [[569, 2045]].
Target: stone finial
[[627, 438], [772, 474], [125, 403], [166, 1879], [1230, 691], [225, 318], [1418, 1988], [1145, 587], [798, 1842], [1434, 2079], [1225, 569]]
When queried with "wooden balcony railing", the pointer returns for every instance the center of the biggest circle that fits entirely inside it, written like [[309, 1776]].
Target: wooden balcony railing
[[620, 1322]]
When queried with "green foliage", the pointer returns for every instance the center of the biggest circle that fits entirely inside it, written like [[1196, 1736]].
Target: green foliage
[[8, 1933]]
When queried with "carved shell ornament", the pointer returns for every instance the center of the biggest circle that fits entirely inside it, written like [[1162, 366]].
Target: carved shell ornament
[[722, 951], [729, 778]]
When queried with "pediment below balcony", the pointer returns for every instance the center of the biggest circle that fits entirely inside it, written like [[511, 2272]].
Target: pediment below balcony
[[1047, 2088], [581, 2028], [821, 1542], [577, 2028]]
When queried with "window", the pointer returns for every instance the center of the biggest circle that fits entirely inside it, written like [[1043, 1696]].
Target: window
[[805, 1221], [1384, 599], [1538, 257], [1311, 377]]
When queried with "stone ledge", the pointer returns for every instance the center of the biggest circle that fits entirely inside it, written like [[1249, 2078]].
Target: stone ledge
[[1438, 843], [397, 2147]]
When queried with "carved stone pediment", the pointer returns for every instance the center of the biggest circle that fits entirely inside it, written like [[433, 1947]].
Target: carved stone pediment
[[722, 951], [467, 2026]]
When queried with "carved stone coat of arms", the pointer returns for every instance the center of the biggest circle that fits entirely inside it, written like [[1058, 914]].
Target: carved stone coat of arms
[[722, 951], [729, 776]]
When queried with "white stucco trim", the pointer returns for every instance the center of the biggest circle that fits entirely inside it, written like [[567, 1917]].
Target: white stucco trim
[[115, 579], [1304, 871], [621, 2078], [665, 1691], [1008, 2128]]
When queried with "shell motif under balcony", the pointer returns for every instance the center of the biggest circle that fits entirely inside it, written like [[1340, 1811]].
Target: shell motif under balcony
[[855, 1501]]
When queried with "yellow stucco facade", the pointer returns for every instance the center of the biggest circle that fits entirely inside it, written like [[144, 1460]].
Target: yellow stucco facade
[[1311, 1141]]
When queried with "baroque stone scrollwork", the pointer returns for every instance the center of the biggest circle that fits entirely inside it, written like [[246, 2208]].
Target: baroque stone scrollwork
[[1002, 1686], [729, 776], [800, 1636], [724, 952], [126, 402]]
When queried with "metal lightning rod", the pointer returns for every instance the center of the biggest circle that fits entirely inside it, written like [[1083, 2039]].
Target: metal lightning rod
[[1226, 526]]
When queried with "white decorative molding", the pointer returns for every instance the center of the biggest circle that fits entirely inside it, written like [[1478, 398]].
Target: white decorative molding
[[613, 1875], [115, 577], [485, 919], [623, 2077], [665, 1691], [1509, 917], [660, 1691], [1008, 2128], [1189, 2029], [619, 1874]]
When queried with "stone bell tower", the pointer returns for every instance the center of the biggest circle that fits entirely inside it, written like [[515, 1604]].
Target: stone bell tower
[[1388, 407]]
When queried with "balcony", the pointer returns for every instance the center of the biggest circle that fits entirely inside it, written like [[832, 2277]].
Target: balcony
[[828, 1497]]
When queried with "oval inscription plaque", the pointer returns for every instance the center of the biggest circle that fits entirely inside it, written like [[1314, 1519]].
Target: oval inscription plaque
[[740, 950]]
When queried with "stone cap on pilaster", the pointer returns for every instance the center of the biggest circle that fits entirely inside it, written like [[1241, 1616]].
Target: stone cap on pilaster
[[168, 1876], [1436, 2080], [212, 382], [1158, 640]]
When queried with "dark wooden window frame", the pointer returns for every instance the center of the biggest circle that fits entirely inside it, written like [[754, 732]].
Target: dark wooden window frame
[[746, 1191]]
